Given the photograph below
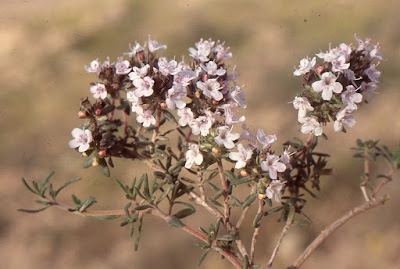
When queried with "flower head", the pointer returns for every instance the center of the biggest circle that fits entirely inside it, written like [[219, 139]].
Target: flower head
[[99, 91], [311, 125], [305, 66]]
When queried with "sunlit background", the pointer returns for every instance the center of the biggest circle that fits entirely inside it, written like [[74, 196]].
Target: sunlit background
[[44, 47]]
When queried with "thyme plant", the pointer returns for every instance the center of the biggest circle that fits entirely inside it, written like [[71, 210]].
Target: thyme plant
[[140, 103]]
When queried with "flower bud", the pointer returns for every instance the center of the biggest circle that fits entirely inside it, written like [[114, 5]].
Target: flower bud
[[102, 153], [95, 162], [97, 112], [244, 173], [215, 151], [81, 114], [261, 196], [163, 105], [319, 69], [197, 94]]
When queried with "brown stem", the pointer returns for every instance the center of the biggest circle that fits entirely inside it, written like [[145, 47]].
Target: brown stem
[[335, 225], [156, 126], [225, 187], [246, 210], [285, 230], [256, 231], [366, 176], [112, 112], [383, 183]]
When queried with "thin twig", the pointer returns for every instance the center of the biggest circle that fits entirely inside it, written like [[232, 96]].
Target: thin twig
[[200, 184], [363, 186], [225, 187], [383, 183], [246, 210], [256, 231], [285, 230], [335, 225]]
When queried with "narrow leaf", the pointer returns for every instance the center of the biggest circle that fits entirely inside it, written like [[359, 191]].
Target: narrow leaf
[[65, 185], [203, 256], [174, 222], [249, 200], [33, 210]]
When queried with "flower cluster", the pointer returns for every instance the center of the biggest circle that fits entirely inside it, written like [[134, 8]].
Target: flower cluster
[[203, 94], [346, 78]]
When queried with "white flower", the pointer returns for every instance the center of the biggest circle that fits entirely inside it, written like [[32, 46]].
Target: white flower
[[99, 91], [136, 101], [350, 97], [94, 67], [285, 159], [305, 66], [242, 156], [237, 95], [302, 104], [265, 140], [274, 190], [372, 73], [226, 137], [82, 139], [193, 155], [367, 89], [327, 85], [311, 125], [247, 135], [343, 117], [272, 165]]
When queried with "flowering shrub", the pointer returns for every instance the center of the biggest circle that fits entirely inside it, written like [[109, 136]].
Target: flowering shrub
[[201, 101]]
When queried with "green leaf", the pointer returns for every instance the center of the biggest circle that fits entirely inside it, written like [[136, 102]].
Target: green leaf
[[33, 210], [44, 182], [170, 117], [65, 185], [164, 194], [245, 262], [273, 210], [203, 256], [143, 207], [76, 201], [41, 202], [138, 234], [229, 175], [226, 237], [256, 221], [256, 266], [242, 180], [184, 213], [27, 186], [174, 222], [131, 230], [127, 206], [89, 161], [103, 168], [105, 217], [249, 200]]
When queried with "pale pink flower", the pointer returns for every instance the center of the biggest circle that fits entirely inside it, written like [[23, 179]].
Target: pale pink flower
[[311, 125], [302, 104], [174, 98], [193, 155], [221, 52], [203, 50], [272, 165], [122, 67], [99, 91], [139, 72], [202, 124], [134, 50], [350, 97], [94, 67], [166, 67], [305, 66], [242, 156], [274, 190], [145, 117], [327, 85], [265, 140], [226, 137], [343, 117], [237, 95], [211, 88], [186, 116], [372, 73], [154, 46], [211, 69], [144, 87], [82, 139]]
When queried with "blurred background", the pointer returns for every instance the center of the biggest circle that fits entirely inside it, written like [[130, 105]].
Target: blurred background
[[44, 47]]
